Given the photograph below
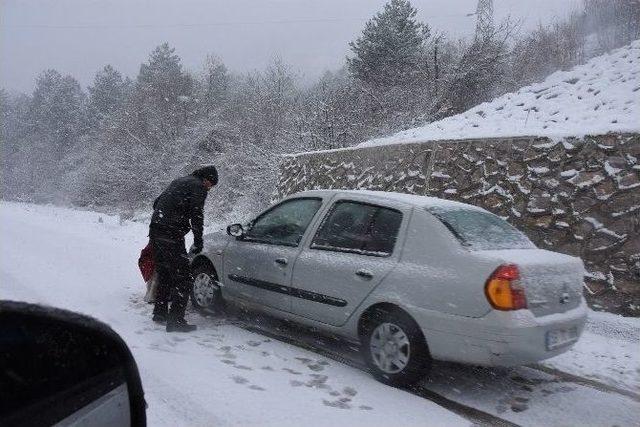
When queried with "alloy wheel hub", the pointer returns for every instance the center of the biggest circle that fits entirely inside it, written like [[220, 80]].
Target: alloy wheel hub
[[204, 287], [390, 348]]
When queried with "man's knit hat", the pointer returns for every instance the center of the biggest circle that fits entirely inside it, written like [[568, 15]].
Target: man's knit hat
[[208, 172]]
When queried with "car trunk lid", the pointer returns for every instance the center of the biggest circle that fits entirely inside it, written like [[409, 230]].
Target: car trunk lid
[[552, 281]]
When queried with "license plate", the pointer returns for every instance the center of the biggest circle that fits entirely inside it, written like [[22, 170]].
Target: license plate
[[561, 337]]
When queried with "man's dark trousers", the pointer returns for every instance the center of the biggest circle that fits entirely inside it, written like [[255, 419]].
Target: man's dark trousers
[[174, 275]]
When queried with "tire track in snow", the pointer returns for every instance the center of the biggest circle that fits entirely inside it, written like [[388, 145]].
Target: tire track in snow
[[477, 416], [348, 355], [571, 378]]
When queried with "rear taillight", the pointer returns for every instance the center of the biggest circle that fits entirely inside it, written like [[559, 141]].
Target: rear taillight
[[503, 289]]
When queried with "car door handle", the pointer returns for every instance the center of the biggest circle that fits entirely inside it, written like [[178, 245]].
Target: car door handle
[[364, 274], [281, 261]]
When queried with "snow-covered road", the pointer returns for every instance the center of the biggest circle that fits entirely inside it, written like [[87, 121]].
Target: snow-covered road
[[225, 375], [219, 375]]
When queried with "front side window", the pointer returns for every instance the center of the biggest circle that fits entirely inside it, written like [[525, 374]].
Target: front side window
[[284, 224], [359, 228]]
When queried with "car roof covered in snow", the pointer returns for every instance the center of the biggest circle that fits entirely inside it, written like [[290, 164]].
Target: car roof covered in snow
[[409, 199]]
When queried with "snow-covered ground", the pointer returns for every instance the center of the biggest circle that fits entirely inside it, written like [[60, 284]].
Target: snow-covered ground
[[219, 375], [609, 351], [598, 97], [225, 375]]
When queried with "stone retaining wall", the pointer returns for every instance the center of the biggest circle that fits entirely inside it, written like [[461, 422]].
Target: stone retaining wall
[[577, 196]]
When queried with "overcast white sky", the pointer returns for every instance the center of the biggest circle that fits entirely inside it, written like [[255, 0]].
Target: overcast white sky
[[80, 36]]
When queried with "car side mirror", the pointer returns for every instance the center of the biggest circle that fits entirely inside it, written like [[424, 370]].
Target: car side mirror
[[235, 230], [59, 367]]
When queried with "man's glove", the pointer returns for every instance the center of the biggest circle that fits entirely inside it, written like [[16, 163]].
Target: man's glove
[[196, 248]]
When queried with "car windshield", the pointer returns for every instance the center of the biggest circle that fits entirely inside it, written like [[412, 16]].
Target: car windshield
[[479, 230]]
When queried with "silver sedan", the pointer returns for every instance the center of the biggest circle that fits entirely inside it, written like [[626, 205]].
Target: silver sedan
[[410, 278]]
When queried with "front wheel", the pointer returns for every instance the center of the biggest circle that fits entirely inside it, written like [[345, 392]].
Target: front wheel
[[205, 295], [395, 349]]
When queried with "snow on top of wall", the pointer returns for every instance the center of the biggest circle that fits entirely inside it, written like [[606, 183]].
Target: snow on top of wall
[[596, 98]]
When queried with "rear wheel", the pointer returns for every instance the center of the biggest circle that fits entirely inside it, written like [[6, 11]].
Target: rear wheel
[[206, 296], [394, 348]]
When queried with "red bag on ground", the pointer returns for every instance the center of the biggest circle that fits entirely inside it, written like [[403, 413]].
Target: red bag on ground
[[145, 262]]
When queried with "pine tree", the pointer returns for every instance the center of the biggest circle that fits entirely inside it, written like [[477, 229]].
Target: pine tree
[[108, 93], [390, 50], [14, 160], [215, 84], [58, 108], [54, 123], [163, 100], [162, 78]]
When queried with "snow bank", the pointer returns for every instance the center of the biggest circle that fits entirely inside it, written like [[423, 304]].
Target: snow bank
[[596, 98]]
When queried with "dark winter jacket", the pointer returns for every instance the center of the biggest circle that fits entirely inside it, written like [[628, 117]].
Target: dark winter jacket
[[179, 209]]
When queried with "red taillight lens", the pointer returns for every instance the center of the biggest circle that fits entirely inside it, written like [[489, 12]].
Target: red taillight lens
[[507, 271], [503, 289]]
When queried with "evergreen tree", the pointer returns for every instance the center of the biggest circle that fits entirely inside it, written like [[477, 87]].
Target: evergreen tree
[[108, 93], [58, 109], [215, 84], [390, 50], [14, 155], [53, 124], [162, 78], [163, 99]]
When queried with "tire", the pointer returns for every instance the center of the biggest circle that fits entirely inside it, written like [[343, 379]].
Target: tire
[[394, 348], [206, 297]]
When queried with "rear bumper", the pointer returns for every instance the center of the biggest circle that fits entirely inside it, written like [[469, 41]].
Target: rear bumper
[[500, 338]]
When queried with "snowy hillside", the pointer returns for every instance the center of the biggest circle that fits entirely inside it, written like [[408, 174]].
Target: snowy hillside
[[598, 97]]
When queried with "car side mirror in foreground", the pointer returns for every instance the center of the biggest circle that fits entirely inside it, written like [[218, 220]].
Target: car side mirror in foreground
[[59, 367], [235, 230]]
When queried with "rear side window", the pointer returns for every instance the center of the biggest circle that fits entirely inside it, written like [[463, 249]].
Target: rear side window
[[359, 228], [479, 230]]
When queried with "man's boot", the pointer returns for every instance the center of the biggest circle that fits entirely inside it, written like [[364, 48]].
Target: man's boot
[[160, 312], [180, 325]]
